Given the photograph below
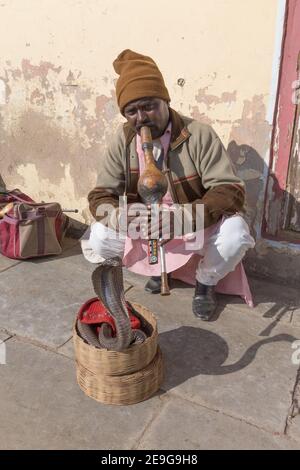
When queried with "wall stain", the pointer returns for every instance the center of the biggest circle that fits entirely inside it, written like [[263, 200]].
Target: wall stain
[[202, 117], [5, 79], [54, 122], [204, 98], [37, 97], [249, 142], [31, 71]]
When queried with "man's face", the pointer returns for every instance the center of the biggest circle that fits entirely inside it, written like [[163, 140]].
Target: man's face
[[151, 112]]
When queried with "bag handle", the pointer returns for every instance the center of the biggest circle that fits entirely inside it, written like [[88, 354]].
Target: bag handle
[[16, 197]]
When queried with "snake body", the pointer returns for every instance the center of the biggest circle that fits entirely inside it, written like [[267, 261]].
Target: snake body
[[108, 284], [88, 333]]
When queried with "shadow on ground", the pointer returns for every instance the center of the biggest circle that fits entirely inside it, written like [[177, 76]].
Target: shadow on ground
[[273, 300], [190, 352]]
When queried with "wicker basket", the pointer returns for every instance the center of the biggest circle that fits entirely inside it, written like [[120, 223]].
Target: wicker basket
[[121, 378], [123, 389], [138, 356]]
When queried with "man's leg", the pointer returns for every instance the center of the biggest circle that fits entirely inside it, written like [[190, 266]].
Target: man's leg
[[101, 243], [222, 251]]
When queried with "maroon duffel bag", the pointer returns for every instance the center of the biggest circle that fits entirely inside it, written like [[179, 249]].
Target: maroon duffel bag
[[29, 229]]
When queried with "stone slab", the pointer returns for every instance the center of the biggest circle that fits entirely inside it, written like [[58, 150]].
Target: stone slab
[[294, 429], [67, 349], [68, 243], [271, 301], [44, 299], [235, 363], [186, 426], [7, 263], [296, 317], [42, 407], [3, 336], [45, 295]]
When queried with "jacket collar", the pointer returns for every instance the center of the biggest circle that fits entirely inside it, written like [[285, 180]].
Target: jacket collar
[[179, 133]]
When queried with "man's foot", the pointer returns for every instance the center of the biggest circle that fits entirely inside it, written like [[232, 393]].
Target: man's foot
[[204, 301], [154, 285]]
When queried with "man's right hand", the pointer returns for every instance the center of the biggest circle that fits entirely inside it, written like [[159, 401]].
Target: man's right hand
[[130, 219]]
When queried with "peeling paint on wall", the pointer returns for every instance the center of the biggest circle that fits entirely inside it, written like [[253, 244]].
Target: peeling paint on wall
[[59, 108], [209, 100], [55, 121], [52, 124], [2, 92], [249, 142]]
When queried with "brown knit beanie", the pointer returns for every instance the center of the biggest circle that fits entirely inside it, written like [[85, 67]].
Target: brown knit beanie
[[139, 78]]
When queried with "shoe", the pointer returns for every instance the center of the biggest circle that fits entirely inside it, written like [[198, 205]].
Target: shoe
[[153, 285], [204, 301]]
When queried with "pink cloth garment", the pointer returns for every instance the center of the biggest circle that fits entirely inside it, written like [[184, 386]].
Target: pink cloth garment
[[180, 262], [183, 265], [234, 283]]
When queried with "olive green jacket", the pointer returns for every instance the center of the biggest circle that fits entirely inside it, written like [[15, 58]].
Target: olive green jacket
[[197, 167]]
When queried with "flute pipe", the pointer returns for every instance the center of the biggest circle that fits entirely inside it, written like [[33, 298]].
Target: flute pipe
[[152, 186]]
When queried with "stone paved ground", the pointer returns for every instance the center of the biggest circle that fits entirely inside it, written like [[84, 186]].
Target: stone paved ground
[[229, 383]]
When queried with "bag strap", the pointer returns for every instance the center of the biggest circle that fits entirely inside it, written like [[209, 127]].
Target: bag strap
[[9, 220], [13, 194], [21, 199], [15, 220]]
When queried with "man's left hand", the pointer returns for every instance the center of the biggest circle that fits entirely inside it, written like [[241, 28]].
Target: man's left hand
[[164, 226]]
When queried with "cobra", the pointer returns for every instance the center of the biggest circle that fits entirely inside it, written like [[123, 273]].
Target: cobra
[[108, 284]]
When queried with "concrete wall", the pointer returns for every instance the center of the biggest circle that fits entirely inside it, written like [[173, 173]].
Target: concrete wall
[[280, 260], [220, 60], [57, 101]]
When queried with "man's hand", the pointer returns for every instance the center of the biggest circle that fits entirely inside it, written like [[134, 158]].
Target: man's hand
[[129, 219], [146, 222], [165, 225]]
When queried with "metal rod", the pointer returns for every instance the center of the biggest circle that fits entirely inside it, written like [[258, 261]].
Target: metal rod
[[6, 209], [165, 290]]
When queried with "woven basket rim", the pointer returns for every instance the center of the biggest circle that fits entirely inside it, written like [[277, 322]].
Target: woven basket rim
[[102, 361]]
